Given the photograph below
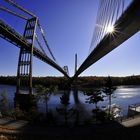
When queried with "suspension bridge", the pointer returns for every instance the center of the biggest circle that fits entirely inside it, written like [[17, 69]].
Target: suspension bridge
[[114, 25], [26, 45]]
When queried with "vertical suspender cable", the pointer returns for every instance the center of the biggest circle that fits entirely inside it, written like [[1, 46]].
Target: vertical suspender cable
[[46, 43], [40, 45]]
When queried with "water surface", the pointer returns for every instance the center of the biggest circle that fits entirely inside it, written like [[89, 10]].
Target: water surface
[[123, 96]]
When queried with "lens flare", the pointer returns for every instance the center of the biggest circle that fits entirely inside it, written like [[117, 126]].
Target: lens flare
[[110, 29]]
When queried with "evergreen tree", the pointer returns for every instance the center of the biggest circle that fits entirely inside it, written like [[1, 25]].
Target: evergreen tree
[[95, 97], [109, 90], [44, 94]]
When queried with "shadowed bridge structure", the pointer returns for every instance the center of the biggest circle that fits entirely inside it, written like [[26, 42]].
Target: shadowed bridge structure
[[126, 26]]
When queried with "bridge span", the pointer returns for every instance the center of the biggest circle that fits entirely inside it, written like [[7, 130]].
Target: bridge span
[[9, 34], [126, 26]]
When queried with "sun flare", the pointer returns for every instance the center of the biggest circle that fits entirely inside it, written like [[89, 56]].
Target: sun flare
[[110, 29]]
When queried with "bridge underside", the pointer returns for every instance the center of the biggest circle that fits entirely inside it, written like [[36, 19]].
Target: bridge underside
[[127, 25]]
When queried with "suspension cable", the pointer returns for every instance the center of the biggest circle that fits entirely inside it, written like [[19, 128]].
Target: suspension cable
[[20, 7], [40, 45], [31, 14], [12, 12], [46, 43], [108, 13]]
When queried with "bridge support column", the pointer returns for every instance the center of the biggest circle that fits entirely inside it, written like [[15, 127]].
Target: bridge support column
[[75, 91], [24, 70]]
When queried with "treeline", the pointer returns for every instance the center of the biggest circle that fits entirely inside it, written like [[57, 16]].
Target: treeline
[[45, 81], [94, 81], [60, 82], [87, 82]]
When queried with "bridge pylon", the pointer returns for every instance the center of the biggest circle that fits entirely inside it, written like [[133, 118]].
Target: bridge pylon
[[24, 70], [75, 90]]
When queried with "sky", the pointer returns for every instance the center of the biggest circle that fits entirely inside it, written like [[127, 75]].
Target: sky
[[68, 26]]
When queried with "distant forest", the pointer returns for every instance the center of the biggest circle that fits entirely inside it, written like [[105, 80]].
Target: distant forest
[[84, 82]]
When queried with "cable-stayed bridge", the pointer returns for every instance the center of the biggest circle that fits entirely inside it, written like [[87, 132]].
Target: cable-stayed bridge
[[105, 38]]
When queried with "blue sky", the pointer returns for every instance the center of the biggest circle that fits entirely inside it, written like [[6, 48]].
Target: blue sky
[[68, 25]]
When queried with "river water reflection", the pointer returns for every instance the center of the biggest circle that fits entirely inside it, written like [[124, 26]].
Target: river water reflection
[[123, 96]]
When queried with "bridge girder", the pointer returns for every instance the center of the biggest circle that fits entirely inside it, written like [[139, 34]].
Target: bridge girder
[[9, 34], [127, 25]]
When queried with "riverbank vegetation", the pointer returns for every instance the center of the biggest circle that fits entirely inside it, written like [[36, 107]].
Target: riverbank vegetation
[[71, 116], [84, 82]]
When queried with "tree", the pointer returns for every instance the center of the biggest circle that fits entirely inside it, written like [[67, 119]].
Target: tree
[[95, 97], [109, 90], [64, 100], [44, 93]]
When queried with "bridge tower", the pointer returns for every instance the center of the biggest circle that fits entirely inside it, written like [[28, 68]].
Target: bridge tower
[[24, 70], [66, 69], [75, 63], [75, 93]]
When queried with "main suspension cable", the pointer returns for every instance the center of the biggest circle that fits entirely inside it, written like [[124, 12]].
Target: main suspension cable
[[12, 12]]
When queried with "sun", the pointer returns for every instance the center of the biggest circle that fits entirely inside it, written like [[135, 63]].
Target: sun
[[110, 29]]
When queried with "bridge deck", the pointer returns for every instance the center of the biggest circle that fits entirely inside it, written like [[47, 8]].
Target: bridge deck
[[127, 25], [15, 38]]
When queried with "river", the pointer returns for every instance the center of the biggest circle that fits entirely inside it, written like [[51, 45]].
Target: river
[[123, 96]]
